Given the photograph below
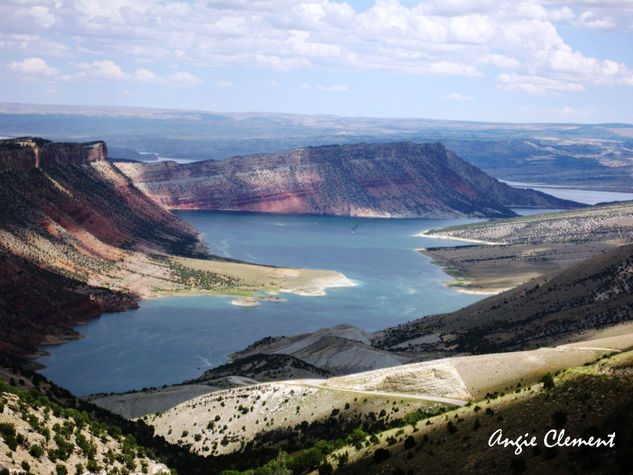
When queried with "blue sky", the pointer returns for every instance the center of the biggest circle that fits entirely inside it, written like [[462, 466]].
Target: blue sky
[[490, 60]]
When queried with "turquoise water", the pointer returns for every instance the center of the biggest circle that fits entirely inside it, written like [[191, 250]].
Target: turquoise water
[[172, 339]]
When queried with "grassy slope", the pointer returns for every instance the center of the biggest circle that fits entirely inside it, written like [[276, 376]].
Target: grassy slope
[[293, 415], [581, 402]]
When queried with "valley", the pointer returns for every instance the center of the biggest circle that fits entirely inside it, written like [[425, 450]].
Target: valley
[[342, 395]]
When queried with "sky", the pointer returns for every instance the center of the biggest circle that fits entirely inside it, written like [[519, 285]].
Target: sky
[[481, 60]]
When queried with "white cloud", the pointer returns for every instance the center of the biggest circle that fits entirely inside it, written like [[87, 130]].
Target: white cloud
[[106, 69], [446, 68], [33, 67], [145, 75], [499, 61], [566, 111], [589, 19], [458, 97], [560, 14], [223, 84], [42, 16], [184, 79], [303, 86], [435, 37], [335, 88], [32, 44], [536, 84]]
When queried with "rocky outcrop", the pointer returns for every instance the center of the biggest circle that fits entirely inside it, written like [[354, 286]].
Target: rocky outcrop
[[384, 180], [27, 153]]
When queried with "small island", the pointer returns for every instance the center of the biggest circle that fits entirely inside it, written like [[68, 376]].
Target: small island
[[246, 302]]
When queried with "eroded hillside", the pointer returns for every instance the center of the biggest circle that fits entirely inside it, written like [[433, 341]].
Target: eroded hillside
[[77, 238], [384, 180]]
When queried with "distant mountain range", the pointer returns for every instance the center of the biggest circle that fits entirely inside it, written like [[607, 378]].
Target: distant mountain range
[[594, 156], [401, 179]]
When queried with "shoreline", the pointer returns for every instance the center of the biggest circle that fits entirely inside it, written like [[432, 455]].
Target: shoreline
[[474, 292], [307, 286], [424, 234], [319, 285], [461, 287]]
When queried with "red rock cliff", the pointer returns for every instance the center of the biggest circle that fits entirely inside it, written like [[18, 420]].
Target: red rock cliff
[[396, 180]]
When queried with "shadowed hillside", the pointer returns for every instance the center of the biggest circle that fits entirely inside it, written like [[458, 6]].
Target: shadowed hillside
[[595, 293]]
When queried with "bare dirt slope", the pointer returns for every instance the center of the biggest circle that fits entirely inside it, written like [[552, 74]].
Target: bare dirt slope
[[339, 350]]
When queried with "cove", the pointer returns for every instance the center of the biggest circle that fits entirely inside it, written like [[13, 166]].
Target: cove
[[171, 339]]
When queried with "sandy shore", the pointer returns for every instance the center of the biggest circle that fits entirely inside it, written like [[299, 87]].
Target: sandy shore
[[308, 282], [425, 234], [316, 286], [475, 292]]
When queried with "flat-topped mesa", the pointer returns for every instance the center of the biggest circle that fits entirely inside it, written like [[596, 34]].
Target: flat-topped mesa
[[402, 179], [26, 153]]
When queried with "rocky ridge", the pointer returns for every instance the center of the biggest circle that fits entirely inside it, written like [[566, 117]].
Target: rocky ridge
[[401, 179]]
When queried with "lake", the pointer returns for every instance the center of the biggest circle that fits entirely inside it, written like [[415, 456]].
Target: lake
[[172, 339], [590, 197]]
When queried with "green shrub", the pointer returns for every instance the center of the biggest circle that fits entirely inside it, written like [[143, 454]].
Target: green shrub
[[356, 438], [7, 430], [308, 459], [548, 381], [36, 450], [61, 469]]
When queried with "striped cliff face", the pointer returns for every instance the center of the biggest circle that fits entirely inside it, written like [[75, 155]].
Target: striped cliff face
[[385, 180]]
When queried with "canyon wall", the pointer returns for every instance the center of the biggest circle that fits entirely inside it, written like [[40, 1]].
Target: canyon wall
[[385, 180]]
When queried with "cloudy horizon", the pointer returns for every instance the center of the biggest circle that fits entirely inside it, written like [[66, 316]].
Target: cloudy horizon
[[529, 61]]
